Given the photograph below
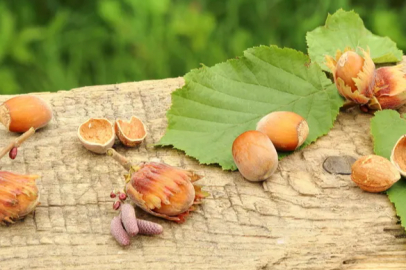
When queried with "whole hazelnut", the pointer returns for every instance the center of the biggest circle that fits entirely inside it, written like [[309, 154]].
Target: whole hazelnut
[[287, 130], [374, 173], [348, 67], [20, 113], [255, 155]]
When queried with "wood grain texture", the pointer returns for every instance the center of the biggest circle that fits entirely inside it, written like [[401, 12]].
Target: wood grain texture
[[301, 218]]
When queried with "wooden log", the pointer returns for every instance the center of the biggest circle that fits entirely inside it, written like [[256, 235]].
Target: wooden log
[[301, 218]]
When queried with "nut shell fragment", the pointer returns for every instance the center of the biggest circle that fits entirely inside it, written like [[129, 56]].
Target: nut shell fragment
[[374, 173], [97, 135], [20, 113], [398, 155], [130, 133]]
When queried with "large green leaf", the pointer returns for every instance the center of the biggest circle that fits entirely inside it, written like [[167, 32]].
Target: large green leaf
[[219, 103], [344, 29], [386, 127]]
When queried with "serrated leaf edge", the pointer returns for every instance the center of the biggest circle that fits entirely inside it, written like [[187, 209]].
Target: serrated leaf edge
[[402, 221], [186, 77]]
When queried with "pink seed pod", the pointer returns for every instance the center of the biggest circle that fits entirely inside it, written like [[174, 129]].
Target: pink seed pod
[[148, 227], [112, 195], [128, 219], [118, 232], [13, 153]]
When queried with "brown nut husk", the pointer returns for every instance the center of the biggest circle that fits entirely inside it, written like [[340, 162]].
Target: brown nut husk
[[97, 135], [374, 173], [130, 133], [160, 189], [18, 196], [20, 113], [164, 191], [398, 155], [354, 75], [390, 88]]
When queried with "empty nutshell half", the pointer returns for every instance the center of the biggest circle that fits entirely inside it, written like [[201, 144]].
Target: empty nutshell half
[[398, 155], [20, 113], [130, 133], [97, 135]]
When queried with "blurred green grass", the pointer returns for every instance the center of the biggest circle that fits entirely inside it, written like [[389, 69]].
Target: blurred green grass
[[49, 45]]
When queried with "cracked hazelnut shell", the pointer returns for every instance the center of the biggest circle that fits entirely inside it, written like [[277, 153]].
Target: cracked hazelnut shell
[[398, 155], [130, 133], [97, 135]]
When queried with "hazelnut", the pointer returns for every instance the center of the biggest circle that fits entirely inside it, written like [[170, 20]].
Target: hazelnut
[[348, 67], [19, 196], [255, 155], [287, 130], [390, 88], [374, 173], [130, 133], [164, 191], [20, 113], [160, 189], [97, 135], [398, 155], [353, 74]]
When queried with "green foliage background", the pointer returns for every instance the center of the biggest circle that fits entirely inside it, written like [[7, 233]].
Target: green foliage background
[[49, 45]]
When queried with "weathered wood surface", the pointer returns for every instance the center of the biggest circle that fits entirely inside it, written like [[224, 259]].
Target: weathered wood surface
[[301, 218]]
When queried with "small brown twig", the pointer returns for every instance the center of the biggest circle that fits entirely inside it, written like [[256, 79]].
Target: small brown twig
[[119, 158], [17, 142]]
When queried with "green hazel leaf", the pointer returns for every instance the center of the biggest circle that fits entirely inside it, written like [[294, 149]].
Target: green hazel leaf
[[346, 29], [384, 141], [219, 103]]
